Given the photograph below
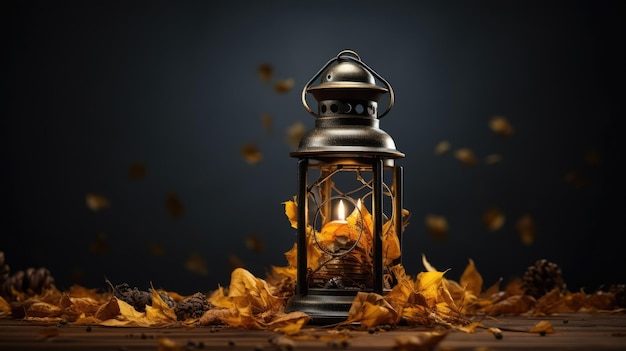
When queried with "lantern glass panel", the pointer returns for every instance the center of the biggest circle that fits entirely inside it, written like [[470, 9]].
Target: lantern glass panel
[[341, 238]]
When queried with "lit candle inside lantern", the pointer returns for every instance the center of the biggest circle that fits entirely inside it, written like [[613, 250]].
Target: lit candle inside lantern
[[341, 213]]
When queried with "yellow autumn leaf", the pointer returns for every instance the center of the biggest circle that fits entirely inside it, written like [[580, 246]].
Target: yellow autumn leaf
[[370, 310], [127, 317], [429, 284], [471, 279], [291, 210], [160, 313], [542, 327], [288, 323], [5, 308]]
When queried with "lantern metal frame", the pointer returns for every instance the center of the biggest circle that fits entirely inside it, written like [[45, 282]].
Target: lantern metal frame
[[345, 139]]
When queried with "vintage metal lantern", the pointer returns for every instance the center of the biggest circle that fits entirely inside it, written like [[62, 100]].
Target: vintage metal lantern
[[349, 198]]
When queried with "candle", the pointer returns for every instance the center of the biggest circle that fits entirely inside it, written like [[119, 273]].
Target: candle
[[341, 213]]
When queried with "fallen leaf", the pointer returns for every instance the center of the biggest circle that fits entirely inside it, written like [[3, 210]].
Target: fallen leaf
[[420, 341], [167, 344], [471, 280], [542, 327], [370, 310]]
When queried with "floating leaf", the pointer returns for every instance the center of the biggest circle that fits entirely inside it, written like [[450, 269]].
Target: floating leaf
[[195, 263], [284, 85], [436, 226], [493, 158], [97, 202], [254, 243], [294, 134], [266, 72], [526, 229], [267, 122], [137, 171], [466, 156], [156, 249], [442, 147], [501, 126], [251, 153], [493, 219], [100, 244], [235, 262], [174, 206]]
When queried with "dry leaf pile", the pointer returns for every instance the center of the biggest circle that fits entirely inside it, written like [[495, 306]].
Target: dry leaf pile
[[426, 299]]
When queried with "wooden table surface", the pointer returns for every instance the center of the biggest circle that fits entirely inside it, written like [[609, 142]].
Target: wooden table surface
[[574, 331]]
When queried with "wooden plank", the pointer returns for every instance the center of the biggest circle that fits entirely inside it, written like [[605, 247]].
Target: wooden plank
[[575, 331]]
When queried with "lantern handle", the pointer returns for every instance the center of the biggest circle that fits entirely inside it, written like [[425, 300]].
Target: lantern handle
[[355, 57]]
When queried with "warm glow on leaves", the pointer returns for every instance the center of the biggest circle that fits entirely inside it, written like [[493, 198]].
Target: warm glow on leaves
[[291, 211]]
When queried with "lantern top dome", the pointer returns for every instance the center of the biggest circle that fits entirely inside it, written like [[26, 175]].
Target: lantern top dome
[[347, 120]]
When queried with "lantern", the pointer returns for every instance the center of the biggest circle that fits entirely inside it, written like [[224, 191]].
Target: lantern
[[349, 198]]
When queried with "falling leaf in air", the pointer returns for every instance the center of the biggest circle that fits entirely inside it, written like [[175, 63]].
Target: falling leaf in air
[[492, 159], [493, 219], [577, 180], [100, 244], [174, 206], [294, 134], [466, 156], [97, 202], [267, 122], [501, 126], [592, 157], [254, 243], [251, 153], [137, 171], [195, 263], [284, 86], [442, 147], [235, 262], [266, 72], [156, 249], [436, 226], [526, 229]]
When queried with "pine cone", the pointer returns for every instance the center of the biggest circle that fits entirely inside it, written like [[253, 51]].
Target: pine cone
[[541, 278], [192, 307], [4, 269], [32, 281]]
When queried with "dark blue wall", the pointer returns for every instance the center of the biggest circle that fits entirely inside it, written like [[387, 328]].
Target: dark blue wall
[[93, 86]]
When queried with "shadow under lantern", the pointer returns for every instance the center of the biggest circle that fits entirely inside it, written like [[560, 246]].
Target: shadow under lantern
[[349, 199]]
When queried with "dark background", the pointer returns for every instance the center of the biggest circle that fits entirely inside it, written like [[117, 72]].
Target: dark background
[[93, 87]]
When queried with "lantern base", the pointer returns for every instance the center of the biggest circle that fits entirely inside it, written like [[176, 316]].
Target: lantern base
[[324, 306]]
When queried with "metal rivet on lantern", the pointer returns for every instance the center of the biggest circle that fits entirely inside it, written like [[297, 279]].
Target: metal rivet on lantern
[[349, 195]]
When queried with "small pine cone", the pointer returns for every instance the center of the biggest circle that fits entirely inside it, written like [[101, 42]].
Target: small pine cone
[[192, 307], [4, 269], [133, 296], [541, 278], [36, 280]]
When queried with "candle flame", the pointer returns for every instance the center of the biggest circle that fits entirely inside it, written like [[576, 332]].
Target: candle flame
[[341, 211]]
